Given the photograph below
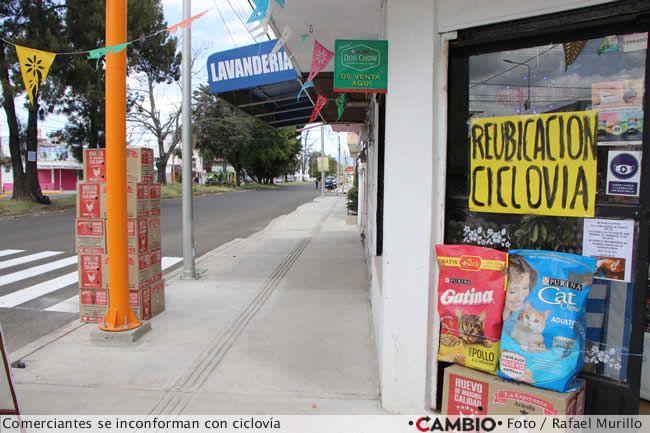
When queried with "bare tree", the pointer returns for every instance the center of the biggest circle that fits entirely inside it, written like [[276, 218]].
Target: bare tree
[[305, 154], [146, 117]]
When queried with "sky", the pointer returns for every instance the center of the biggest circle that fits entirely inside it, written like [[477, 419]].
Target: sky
[[222, 28]]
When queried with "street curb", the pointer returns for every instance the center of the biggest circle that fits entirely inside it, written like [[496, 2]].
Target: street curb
[[45, 340]]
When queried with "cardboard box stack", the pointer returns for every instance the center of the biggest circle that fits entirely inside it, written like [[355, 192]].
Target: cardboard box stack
[[471, 392], [146, 286]]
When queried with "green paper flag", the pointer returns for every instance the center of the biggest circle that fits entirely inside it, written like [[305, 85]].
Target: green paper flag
[[303, 38], [340, 104], [97, 53]]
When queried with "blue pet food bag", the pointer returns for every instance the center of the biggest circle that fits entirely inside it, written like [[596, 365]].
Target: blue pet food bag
[[543, 337]]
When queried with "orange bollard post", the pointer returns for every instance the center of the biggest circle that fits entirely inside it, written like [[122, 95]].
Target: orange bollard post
[[119, 316]]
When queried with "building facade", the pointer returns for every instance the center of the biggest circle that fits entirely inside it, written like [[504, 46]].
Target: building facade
[[452, 63]]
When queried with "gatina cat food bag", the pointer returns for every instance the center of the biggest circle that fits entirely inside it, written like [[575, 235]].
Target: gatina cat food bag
[[543, 335], [471, 291]]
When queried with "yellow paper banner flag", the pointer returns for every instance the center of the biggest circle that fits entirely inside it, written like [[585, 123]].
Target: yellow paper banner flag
[[34, 66]]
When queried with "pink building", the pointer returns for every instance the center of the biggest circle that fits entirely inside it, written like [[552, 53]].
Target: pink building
[[57, 169]]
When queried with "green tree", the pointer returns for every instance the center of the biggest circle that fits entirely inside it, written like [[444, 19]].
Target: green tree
[[221, 131], [85, 28], [32, 23]]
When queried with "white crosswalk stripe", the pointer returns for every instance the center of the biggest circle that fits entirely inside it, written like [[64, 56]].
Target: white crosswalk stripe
[[32, 292], [36, 270], [30, 258], [9, 252], [71, 305]]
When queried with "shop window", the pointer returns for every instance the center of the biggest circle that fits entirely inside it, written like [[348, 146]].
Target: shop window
[[603, 74]]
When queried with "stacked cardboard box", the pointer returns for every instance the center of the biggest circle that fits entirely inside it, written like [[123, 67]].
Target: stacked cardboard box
[[471, 392], [146, 287]]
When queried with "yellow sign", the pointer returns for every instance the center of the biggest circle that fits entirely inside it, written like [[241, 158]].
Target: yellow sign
[[323, 163], [535, 164]]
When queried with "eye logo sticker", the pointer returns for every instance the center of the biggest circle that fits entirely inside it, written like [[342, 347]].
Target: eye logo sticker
[[624, 173]]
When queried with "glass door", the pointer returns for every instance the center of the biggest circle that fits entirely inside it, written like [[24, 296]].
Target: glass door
[[563, 82]]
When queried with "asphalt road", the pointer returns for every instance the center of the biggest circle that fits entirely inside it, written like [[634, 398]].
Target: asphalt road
[[218, 218]]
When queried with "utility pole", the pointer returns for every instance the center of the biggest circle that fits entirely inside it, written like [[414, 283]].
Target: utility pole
[[322, 159], [338, 168], [119, 316], [189, 270]]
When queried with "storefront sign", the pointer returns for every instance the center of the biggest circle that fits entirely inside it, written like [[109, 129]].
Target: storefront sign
[[536, 164], [250, 66], [624, 173], [361, 66]]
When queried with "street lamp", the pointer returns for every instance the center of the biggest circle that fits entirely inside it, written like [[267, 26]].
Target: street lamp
[[527, 102]]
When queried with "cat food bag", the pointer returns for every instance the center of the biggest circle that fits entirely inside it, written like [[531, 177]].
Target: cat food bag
[[471, 292], [543, 335]]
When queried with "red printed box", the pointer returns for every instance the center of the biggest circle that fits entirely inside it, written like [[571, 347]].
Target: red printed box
[[90, 236], [137, 200], [157, 297], [94, 165], [93, 297], [154, 199], [138, 237], [91, 200], [92, 271], [139, 164], [153, 231], [140, 302], [92, 313], [470, 392], [464, 392]]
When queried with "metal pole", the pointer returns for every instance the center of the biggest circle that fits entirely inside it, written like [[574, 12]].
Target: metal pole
[[189, 270], [119, 316], [322, 155], [339, 185]]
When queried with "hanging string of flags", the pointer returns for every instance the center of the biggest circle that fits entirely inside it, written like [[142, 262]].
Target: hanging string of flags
[[321, 102], [340, 105], [35, 64]]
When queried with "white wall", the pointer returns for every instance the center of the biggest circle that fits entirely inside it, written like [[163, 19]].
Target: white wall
[[407, 205], [459, 14]]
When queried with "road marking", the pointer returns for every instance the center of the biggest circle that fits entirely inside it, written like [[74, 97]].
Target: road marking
[[9, 252], [36, 270], [37, 290], [27, 259], [168, 262], [71, 305]]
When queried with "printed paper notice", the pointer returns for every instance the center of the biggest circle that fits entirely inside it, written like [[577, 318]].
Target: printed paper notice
[[624, 173], [611, 243]]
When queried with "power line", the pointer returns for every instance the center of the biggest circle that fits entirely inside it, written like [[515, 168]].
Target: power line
[[224, 23], [241, 20]]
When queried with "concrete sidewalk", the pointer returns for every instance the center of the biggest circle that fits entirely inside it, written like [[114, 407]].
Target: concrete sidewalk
[[279, 323]]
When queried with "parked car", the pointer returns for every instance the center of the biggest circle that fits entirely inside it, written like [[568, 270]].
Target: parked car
[[330, 183]]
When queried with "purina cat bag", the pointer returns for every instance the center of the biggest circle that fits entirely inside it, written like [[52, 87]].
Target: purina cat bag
[[471, 292], [543, 335]]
